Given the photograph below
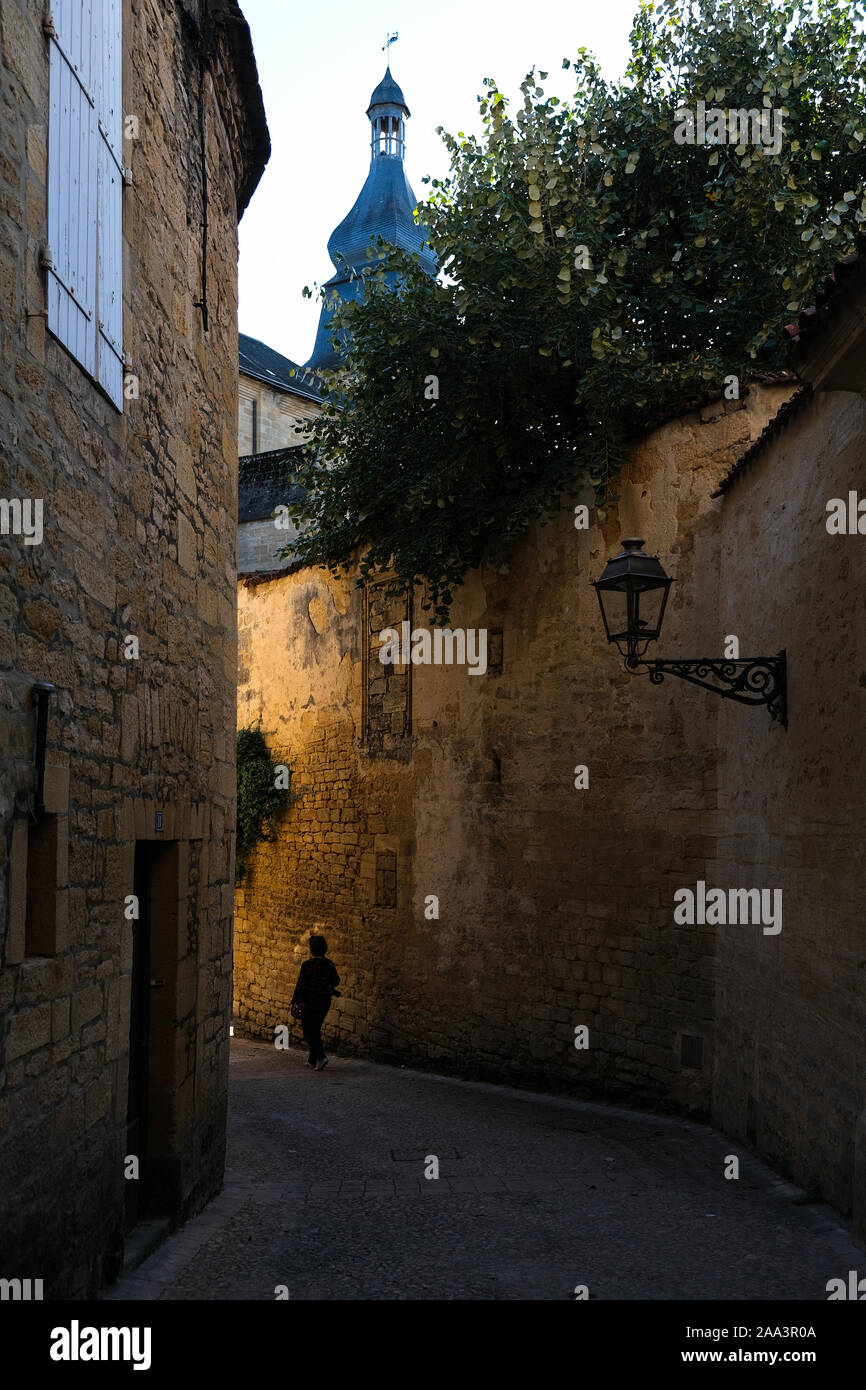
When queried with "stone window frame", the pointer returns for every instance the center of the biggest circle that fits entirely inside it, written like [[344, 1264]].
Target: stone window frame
[[28, 938], [366, 659]]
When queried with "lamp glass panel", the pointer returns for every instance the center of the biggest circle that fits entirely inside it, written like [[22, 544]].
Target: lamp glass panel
[[648, 610], [615, 603]]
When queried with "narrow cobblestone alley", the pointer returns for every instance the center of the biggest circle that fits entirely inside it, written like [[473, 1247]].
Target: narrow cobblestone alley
[[325, 1194]]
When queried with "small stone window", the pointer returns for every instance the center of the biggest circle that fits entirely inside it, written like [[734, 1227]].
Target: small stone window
[[40, 929], [387, 698], [386, 879]]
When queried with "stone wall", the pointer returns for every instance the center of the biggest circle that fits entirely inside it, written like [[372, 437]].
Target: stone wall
[[277, 414], [790, 1055], [259, 543], [139, 539], [555, 905]]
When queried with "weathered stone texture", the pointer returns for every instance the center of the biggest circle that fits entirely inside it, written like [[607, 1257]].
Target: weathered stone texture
[[556, 904], [277, 415], [387, 707], [139, 539], [790, 1055]]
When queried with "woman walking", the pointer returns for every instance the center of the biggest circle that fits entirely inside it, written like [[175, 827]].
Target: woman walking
[[316, 987]]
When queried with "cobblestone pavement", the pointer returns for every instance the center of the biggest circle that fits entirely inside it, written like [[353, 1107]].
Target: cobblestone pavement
[[325, 1194]]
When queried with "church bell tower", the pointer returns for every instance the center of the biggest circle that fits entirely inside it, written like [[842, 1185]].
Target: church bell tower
[[384, 208]]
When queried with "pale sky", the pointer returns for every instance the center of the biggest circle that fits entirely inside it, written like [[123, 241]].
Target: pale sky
[[318, 65]]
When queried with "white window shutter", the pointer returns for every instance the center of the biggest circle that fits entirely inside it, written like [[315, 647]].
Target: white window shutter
[[85, 188], [109, 275], [72, 183]]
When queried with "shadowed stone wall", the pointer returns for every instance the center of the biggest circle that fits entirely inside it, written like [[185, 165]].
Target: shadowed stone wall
[[555, 905], [790, 1054], [139, 539]]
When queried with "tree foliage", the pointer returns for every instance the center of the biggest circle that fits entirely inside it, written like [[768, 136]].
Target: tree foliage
[[549, 362]]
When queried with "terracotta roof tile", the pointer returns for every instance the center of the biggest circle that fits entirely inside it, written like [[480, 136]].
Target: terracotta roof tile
[[783, 417]]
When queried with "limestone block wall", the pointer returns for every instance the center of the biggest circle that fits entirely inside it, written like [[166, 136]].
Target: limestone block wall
[[259, 543], [277, 414], [139, 539], [555, 905], [790, 1057]]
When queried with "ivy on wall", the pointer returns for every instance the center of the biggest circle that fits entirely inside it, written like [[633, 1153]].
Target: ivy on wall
[[262, 797]]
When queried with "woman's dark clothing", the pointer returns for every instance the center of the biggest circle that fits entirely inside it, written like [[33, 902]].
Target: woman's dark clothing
[[317, 981], [312, 1026]]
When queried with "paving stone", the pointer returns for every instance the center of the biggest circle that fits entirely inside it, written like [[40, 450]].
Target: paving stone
[[657, 1222]]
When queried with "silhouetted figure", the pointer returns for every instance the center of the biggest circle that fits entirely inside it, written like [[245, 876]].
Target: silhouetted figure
[[316, 987]]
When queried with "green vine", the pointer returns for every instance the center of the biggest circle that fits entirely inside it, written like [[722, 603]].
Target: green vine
[[260, 799]]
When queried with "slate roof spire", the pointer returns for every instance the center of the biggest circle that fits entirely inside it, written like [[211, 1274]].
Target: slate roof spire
[[388, 94], [383, 208]]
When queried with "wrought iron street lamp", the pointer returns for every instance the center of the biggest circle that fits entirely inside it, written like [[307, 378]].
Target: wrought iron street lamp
[[633, 594]]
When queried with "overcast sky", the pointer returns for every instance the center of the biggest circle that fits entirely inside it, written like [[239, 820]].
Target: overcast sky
[[318, 64]]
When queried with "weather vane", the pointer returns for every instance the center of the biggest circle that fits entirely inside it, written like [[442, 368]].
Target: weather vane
[[392, 38]]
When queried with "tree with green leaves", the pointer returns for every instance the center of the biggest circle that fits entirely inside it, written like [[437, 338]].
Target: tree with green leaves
[[595, 272]]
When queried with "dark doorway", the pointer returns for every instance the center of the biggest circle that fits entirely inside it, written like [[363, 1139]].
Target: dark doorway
[[151, 1115], [137, 1190]]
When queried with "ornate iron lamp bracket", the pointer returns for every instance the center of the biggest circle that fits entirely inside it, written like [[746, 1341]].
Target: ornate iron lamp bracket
[[756, 680]]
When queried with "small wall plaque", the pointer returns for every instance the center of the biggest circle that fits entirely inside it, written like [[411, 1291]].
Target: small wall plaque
[[158, 823]]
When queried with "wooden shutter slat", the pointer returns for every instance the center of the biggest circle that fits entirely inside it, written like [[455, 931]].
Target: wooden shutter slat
[[110, 230], [85, 187], [71, 211]]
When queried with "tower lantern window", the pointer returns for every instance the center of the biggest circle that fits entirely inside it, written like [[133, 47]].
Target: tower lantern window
[[388, 136]]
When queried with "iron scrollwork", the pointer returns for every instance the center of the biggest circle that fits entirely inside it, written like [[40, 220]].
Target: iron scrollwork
[[758, 680]]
